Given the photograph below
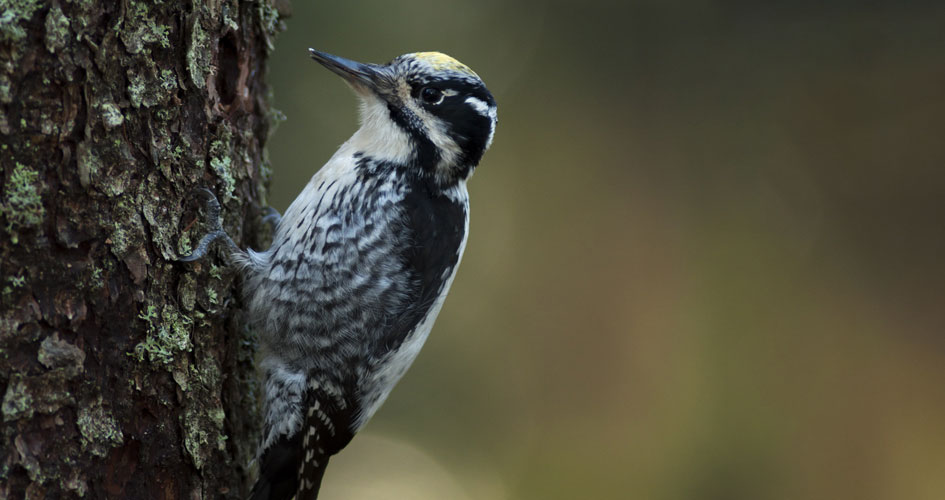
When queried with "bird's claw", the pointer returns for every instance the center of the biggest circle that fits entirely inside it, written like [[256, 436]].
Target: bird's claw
[[216, 227]]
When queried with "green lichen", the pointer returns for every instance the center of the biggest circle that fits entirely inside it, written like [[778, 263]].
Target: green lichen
[[221, 166], [269, 21], [95, 281], [168, 80], [23, 205], [57, 29], [221, 163], [140, 30], [137, 89], [167, 337], [187, 291], [13, 13], [146, 89], [216, 272], [45, 393], [196, 436], [149, 315], [229, 17], [120, 239], [163, 220], [99, 430], [218, 416], [202, 423], [207, 374], [18, 401], [83, 17], [200, 319], [184, 245], [198, 55], [51, 389], [127, 228], [111, 115]]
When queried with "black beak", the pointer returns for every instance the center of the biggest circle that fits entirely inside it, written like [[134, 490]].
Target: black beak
[[358, 75]]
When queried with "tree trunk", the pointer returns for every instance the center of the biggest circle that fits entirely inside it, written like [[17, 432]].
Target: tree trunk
[[123, 373]]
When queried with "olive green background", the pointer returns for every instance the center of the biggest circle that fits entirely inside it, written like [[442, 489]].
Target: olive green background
[[706, 253]]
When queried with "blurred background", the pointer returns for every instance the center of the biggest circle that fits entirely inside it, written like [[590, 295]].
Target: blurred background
[[706, 253]]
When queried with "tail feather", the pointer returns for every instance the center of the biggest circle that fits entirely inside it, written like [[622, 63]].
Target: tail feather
[[282, 474], [311, 481], [279, 470], [293, 466]]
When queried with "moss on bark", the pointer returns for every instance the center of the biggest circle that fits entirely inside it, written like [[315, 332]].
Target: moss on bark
[[124, 373]]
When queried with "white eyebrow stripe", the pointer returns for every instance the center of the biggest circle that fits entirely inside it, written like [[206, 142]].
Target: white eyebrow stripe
[[481, 107], [491, 135], [487, 111]]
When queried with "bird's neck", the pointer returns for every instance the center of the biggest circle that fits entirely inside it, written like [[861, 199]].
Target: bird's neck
[[389, 136], [381, 139]]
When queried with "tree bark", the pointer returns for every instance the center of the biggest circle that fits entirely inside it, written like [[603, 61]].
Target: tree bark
[[123, 373]]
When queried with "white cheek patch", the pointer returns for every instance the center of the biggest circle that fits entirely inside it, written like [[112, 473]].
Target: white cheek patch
[[378, 134], [485, 110], [438, 132]]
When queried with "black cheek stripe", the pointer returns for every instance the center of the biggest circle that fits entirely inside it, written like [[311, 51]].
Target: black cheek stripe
[[427, 155]]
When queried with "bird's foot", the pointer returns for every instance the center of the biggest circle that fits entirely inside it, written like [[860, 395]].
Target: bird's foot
[[216, 228]]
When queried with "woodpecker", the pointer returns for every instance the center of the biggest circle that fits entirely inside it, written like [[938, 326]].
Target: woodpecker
[[362, 260]]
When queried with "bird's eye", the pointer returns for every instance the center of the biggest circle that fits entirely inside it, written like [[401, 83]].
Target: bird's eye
[[431, 95]]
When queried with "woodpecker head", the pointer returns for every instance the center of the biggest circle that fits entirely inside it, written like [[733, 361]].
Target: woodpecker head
[[425, 110]]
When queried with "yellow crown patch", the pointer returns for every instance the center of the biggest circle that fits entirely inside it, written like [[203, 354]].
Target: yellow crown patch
[[442, 62]]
